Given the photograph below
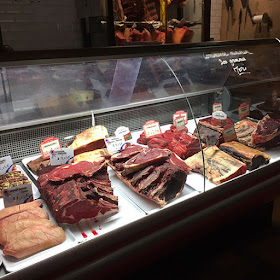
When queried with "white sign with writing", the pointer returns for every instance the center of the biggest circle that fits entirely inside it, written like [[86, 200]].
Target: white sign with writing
[[114, 144], [151, 128], [6, 165], [17, 195], [61, 156]]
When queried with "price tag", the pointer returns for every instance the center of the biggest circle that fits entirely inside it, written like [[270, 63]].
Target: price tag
[[244, 111], [114, 144], [229, 134], [61, 156], [217, 107], [219, 118], [274, 95], [17, 195], [49, 144], [124, 132], [180, 114], [6, 165], [180, 123], [151, 128]]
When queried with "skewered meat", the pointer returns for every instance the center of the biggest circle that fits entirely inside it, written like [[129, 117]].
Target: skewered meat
[[251, 157], [219, 166]]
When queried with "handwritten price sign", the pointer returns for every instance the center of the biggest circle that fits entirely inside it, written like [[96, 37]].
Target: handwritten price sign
[[151, 128], [61, 156]]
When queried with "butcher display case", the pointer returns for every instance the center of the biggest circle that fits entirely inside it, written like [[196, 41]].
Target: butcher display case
[[227, 95]]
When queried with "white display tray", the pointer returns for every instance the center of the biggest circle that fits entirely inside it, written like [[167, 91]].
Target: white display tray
[[80, 232], [12, 264]]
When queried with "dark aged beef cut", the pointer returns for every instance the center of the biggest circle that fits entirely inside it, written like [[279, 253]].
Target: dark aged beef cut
[[251, 157], [82, 168], [267, 129], [77, 196], [127, 153], [156, 174], [145, 158], [219, 166]]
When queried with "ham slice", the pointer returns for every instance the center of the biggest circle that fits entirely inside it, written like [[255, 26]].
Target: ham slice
[[219, 166], [33, 240]]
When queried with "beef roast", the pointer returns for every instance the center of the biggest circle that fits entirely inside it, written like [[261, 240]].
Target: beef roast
[[79, 191], [153, 174]]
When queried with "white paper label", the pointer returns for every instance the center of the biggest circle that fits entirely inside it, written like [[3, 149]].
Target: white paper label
[[180, 123], [219, 115], [124, 132], [151, 129], [61, 156], [229, 134], [17, 195], [217, 107], [6, 165], [114, 144]]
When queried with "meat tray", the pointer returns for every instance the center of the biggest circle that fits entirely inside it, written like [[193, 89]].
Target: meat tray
[[12, 264]]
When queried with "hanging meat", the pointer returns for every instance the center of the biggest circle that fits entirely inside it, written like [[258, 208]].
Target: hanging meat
[[78, 191], [155, 174]]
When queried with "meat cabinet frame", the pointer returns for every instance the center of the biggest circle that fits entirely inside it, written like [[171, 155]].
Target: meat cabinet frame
[[173, 226]]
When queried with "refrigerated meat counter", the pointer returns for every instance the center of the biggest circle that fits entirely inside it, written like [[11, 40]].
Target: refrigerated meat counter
[[62, 93]]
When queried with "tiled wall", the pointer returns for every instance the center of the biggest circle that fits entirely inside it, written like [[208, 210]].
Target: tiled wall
[[40, 24], [215, 25]]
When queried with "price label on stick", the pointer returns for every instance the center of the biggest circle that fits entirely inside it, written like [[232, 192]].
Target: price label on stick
[[17, 195], [180, 114], [244, 111], [6, 165], [124, 132], [151, 128], [114, 144], [180, 123], [217, 107], [229, 134], [49, 144], [61, 156]]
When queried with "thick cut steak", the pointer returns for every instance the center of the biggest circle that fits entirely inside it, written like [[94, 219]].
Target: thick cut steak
[[156, 174], [244, 130], [219, 166], [251, 157], [127, 153], [145, 158], [78, 191]]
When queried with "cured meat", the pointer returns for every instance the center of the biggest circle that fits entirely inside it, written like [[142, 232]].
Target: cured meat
[[251, 157], [35, 213], [33, 239], [93, 156], [14, 228], [78, 191], [267, 129], [211, 134], [118, 10], [89, 140], [19, 208], [38, 164], [67, 171], [145, 158], [244, 130], [128, 153], [153, 174], [219, 166]]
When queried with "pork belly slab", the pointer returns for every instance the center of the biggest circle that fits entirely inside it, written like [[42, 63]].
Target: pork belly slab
[[219, 166]]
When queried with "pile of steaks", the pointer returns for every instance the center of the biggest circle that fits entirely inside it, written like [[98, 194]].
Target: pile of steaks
[[156, 174], [77, 191]]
